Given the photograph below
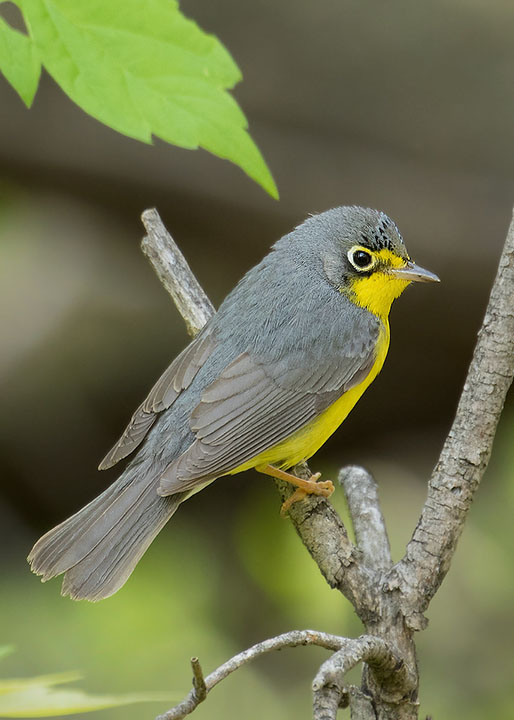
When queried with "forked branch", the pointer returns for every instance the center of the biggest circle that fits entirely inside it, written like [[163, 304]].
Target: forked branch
[[289, 639], [328, 685]]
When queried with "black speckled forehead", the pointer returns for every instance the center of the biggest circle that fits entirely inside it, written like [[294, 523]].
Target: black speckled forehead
[[384, 235]]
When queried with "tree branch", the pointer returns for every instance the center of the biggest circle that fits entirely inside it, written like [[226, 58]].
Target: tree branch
[[324, 535], [289, 639], [175, 274], [199, 685], [361, 493], [386, 663], [467, 449]]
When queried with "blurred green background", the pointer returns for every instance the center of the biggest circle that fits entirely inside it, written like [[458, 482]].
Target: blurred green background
[[403, 106]]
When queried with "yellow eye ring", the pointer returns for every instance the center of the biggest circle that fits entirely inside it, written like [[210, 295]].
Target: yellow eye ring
[[361, 258]]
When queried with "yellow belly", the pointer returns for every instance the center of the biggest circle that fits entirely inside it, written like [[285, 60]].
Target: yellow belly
[[306, 441]]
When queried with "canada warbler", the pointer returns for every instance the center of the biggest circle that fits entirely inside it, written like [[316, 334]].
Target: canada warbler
[[263, 385]]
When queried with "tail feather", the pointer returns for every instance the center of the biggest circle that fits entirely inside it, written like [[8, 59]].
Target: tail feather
[[98, 547], [49, 556], [110, 563]]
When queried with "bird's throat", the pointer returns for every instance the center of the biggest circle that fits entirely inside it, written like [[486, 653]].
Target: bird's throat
[[377, 292]]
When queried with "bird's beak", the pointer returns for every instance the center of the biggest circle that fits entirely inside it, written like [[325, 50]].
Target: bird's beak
[[414, 273]]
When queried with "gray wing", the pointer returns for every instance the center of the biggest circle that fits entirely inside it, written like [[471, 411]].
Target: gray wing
[[253, 406], [177, 377]]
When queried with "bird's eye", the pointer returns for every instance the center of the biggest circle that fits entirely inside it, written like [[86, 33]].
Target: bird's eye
[[360, 259]]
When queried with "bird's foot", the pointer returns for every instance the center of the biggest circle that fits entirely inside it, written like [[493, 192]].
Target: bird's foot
[[325, 488]]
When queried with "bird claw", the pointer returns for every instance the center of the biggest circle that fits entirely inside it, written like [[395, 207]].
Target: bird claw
[[310, 487]]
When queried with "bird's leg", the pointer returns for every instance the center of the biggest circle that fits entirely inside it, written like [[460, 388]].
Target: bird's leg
[[304, 487]]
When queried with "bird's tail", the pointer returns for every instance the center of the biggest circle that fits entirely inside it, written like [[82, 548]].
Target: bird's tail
[[99, 547]]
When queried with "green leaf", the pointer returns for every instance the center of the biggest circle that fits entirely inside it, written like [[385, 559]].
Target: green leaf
[[144, 69], [37, 697], [14, 684], [38, 701], [19, 62]]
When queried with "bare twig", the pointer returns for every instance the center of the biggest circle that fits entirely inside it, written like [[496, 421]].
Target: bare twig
[[174, 273], [327, 701], [361, 704], [368, 522], [289, 639], [199, 686], [467, 449]]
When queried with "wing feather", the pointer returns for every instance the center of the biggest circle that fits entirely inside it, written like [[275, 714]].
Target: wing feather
[[252, 407], [139, 425], [207, 462], [177, 377], [179, 374]]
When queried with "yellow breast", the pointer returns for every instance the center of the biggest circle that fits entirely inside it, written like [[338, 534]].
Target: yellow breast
[[306, 441]]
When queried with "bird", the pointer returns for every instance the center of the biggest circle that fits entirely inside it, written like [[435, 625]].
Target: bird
[[263, 385]]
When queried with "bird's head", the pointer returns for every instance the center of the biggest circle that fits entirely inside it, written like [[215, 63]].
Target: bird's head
[[364, 256]]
